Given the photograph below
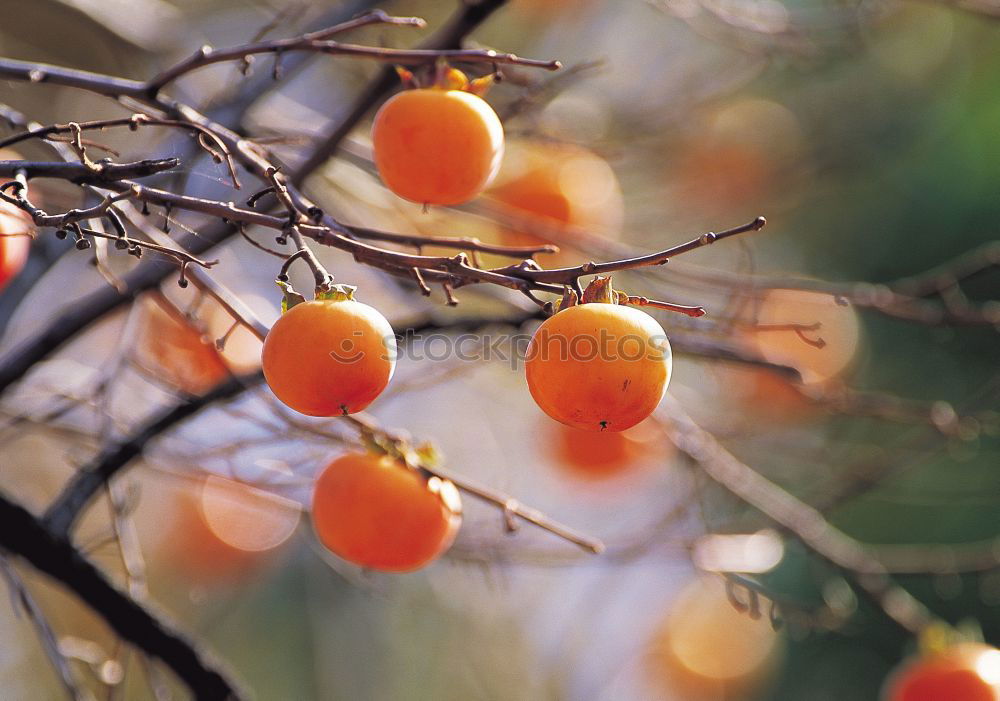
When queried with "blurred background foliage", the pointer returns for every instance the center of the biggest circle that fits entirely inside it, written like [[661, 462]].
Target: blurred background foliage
[[868, 135]]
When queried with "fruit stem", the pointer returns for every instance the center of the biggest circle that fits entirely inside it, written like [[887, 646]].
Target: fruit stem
[[693, 312]]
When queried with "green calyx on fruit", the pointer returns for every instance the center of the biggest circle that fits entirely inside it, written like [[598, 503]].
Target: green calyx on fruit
[[332, 293]]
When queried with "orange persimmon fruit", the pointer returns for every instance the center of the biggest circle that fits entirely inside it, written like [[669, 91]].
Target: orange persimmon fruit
[[171, 348], [377, 512], [437, 145], [966, 671], [329, 357], [556, 192], [598, 366]]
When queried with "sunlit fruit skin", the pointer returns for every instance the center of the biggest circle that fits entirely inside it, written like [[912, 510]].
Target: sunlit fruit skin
[[435, 146], [968, 671], [15, 242], [598, 367], [329, 358], [376, 512]]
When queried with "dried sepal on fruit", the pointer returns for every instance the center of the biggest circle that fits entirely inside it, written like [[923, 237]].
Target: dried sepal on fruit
[[438, 145], [598, 365], [328, 357]]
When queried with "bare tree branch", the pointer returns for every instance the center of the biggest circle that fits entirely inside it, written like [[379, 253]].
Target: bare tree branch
[[25, 536], [64, 511], [803, 521], [79, 173], [46, 635], [316, 42]]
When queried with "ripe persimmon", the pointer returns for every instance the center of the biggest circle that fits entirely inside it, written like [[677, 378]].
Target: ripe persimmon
[[706, 649], [329, 357], [375, 511], [598, 366], [437, 145], [554, 192], [966, 671], [170, 347]]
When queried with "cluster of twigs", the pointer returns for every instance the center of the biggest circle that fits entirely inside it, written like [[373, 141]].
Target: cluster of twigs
[[118, 211]]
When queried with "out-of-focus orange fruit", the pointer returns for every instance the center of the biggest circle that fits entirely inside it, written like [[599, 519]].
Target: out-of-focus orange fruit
[[172, 348], [16, 231], [706, 650], [557, 193], [966, 672], [814, 332], [593, 456], [223, 528]]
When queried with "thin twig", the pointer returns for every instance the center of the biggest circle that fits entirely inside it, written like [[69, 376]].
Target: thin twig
[[802, 520], [46, 635], [106, 173], [207, 55], [25, 536], [214, 146], [508, 505]]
